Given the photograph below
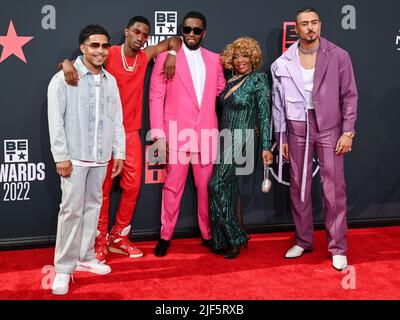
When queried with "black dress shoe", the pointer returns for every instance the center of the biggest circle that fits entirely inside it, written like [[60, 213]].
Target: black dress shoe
[[162, 247], [232, 253]]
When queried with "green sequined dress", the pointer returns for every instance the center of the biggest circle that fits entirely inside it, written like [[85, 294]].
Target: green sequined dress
[[239, 112]]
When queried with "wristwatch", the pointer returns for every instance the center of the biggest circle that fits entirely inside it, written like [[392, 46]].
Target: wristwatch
[[349, 134], [172, 52]]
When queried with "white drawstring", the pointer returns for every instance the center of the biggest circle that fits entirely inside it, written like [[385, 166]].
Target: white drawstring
[[305, 165]]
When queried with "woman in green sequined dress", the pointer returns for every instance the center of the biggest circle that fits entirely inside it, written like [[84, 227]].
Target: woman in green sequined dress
[[245, 97]]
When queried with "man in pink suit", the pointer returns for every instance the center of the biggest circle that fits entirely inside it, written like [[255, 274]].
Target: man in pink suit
[[315, 109], [183, 119]]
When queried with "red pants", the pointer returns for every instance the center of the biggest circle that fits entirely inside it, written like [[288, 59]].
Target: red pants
[[130, 181]]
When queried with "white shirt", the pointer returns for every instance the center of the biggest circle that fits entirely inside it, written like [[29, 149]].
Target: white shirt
[[308, 80], [97, 79], [197, 70]]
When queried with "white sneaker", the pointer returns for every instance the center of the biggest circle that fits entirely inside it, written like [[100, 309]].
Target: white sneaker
[[60, 284], [339, 262], [93, 266], [294, 252]]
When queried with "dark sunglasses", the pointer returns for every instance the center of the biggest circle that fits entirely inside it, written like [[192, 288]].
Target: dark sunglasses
[[197, 31], [96, 45], [138, 33]]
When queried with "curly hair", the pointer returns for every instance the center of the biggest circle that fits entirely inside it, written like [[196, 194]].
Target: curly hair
[[245, 45]]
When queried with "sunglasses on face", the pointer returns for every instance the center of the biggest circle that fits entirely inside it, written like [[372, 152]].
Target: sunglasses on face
[[138, 33], [197, 31], [96, 45]]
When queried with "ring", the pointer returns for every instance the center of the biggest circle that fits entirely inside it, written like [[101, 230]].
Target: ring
[[269, 162]]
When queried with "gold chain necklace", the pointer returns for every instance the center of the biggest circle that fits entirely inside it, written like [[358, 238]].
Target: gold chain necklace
[[125, 63]]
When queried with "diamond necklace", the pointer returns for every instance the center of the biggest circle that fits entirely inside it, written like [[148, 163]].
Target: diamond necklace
[[308, 51]]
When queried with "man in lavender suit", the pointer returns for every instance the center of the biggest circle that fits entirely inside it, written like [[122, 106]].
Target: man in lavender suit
[[315, 109]]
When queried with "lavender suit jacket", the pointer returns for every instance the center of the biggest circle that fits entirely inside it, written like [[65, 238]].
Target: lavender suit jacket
[[334, 94]]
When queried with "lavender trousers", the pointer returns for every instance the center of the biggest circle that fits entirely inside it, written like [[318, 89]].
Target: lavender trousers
[[332, 179]]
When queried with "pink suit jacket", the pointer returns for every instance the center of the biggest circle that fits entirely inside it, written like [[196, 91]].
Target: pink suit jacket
[[174, 109]]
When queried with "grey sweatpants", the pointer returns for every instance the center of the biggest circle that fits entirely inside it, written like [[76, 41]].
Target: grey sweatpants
[[80, 206]]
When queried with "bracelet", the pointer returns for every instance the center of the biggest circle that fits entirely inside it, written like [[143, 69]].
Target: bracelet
[[349, 134], [172, 52]]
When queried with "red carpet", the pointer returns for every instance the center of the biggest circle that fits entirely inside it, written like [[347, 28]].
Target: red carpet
[[189, 272]]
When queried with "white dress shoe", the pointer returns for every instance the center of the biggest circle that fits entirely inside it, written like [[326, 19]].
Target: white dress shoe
[[339, 262], [294, 252], [60, 284], [93, 266]]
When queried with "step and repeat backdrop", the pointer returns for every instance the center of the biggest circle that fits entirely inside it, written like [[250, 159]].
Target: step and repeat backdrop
[[36, 35]]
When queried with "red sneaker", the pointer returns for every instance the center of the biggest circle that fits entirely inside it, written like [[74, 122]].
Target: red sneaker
[[121, 244], [101, 246]]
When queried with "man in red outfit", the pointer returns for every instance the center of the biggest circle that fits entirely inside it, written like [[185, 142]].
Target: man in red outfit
[[128, 64]]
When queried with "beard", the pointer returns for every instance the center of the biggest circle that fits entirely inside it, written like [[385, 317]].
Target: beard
[[192, 46], [312, 38], [132, 47]]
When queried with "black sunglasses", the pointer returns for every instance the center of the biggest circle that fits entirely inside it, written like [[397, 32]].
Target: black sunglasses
[[197, 31], [96, 45]]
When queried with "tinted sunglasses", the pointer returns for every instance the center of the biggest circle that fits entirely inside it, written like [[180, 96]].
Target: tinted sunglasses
[[138, 33], [197, 31], [96, 45]]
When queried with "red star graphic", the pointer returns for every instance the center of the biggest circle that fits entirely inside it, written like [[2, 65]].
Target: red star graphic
[[13, 44]]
